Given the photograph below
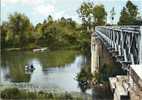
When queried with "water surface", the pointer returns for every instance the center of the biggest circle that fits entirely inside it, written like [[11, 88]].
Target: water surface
[[56, 70]]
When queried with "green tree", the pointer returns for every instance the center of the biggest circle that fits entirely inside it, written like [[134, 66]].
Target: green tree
[[84, 78], [63, 33], [50, 19], [132, 9], [3, 34], [21, 28], [38, 31], [124, 18], [85, 13], [62, 21], [92, 15], [71, 22], [128, 14], [99, 15]]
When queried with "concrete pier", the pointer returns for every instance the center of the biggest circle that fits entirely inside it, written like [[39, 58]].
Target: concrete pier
[[119, 87], [128, 87], [94, 55]]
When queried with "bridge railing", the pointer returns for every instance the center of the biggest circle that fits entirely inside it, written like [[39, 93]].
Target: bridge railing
[[124, 42]]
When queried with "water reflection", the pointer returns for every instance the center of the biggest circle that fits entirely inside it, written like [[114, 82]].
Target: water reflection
[[57, 77], [4, 74], [56, 70]]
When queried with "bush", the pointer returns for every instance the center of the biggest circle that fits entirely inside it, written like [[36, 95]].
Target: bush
[[68, 96], [12, 93], [50, 95]]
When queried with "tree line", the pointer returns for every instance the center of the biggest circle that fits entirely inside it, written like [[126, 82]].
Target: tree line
[[19, 32], [93, 15]]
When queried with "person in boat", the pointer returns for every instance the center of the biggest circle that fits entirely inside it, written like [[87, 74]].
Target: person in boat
[[29, 67]]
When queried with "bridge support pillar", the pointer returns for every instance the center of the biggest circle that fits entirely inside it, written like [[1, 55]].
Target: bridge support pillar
[[94, 55], [99, 55]]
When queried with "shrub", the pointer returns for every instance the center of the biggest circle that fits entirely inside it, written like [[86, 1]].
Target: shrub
[[12, 93]]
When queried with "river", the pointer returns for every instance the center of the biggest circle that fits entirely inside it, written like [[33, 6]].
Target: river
[[55, 70]]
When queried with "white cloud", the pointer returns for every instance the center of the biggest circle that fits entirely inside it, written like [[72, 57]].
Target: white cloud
[[32, 2], [59, 14], [63, 13], [39, 7], [53, 1], [44, 10], [27, 2], [9, 1]]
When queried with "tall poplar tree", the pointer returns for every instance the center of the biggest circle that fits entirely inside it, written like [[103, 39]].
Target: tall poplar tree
[[128, 14]]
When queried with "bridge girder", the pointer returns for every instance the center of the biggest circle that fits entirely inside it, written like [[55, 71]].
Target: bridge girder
[[123, 42]]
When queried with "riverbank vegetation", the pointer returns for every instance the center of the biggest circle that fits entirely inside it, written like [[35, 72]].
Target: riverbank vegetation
[[64, 33], [130, 15], [14, 93], [84, 77], [19, 33], [106, 71]]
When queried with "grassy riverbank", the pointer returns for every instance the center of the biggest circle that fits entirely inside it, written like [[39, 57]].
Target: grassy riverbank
[[14, 93]]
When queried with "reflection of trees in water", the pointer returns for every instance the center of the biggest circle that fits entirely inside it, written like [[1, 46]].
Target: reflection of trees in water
[[18, 74], [16, 61], [84, 77], [106, 71], [57, 58], [102, 93], [3, 60]]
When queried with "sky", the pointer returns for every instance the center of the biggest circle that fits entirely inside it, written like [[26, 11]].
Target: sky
[[38, 10]]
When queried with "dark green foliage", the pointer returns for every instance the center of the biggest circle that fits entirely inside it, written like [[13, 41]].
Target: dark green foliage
[[107, 71], [54, 58], [91, 15], [60, 34], [3, 34], [63, 33], [14, 93], [84, 78], [50, 95], [67, 96], [129, 15], [20, 28], [17, 31], [99, 15]]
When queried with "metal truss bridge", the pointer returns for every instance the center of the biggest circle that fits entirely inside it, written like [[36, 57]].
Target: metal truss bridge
[[123, 42]]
